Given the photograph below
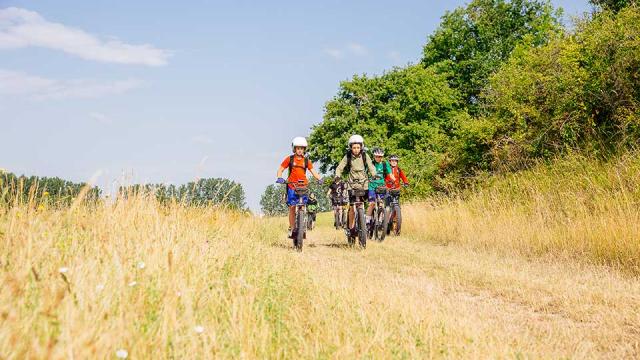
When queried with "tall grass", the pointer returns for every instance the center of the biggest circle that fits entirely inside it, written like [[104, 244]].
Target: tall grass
[[577, 208], [179, 282]]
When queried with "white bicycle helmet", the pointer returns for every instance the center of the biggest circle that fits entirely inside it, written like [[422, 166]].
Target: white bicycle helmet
[[378, 152], [356, 139], [299, 141]]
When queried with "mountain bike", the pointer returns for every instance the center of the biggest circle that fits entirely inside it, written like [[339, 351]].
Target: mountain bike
[[340, 210], [299, 231], [379, 218], [357, 200], [394, 218]]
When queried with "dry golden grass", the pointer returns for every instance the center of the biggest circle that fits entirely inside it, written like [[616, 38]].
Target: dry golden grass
[[462, 282]]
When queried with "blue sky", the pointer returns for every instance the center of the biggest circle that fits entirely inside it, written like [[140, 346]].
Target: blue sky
[[151, 91]]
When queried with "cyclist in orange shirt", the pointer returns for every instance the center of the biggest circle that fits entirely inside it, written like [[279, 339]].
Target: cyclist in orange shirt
[[297, 164]]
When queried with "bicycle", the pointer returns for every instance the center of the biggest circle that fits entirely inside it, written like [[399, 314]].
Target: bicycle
[[394, 218], [299, 232], [358, 200], [379, 219], [340, 210]]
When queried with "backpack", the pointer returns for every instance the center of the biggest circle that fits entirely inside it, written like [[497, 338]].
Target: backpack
[[306, 163], [364, 158]]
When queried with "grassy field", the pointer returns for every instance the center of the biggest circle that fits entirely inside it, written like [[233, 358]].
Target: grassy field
[[524, 267]]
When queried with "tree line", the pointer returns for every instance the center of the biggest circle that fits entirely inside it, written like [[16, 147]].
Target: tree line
[[54, 191], [501, 85], [203, 192]]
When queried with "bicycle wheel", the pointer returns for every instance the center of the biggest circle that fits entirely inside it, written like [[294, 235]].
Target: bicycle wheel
[[345, 217], [362, 227], [300, 229], [371, 226], [381, 224], [398, 219]]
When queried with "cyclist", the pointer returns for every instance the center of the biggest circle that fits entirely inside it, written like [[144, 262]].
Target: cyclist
[[398, 174], [339, 197], [297, 164], [395, 185], [312, 209], [357, 164], [383, 169]]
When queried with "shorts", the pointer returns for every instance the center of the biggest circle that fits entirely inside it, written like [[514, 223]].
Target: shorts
[[293, 198], [372, 195]]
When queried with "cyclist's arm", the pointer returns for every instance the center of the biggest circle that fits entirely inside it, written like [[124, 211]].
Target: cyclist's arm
[[372, 168], [403, 177], [390, 171], [315, 174], [280, 171], [341, 166]]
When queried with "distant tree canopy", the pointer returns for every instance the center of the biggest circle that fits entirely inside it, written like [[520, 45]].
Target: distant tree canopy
[[501, 84], [53, 191], [204, 192]]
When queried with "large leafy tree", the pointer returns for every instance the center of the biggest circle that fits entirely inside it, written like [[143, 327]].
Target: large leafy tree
[[471, 42], [581, 91], [410, 111]]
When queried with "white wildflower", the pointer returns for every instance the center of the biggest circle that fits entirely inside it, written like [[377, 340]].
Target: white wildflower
[[100, 287], [199, 329], [63, 270], [122, 354], [133, 283], [141, 265]]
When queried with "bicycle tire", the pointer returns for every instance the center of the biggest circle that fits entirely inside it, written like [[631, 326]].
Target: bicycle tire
[[362, 231], [398, 219], [300, 228], [381, 226]]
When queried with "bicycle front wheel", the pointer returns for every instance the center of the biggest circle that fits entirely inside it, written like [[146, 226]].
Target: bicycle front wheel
[[362, 227]]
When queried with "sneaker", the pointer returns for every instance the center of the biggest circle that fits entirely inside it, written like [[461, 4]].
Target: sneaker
[[290, 234]]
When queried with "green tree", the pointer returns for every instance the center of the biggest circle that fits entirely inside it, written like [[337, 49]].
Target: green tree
[[53, 191], [411, 112], [204, 192], [580, 92], [273, 200], [613, 5], [473, 41]]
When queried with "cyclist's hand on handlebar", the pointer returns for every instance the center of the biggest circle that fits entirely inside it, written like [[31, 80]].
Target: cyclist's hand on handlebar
[[320, 181], [281, 181], [405, 185]]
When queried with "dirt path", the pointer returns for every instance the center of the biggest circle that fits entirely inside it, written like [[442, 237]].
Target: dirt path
[[486, 304]]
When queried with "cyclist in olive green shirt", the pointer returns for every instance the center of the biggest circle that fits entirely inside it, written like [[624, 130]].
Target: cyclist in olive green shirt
[[358, 164]]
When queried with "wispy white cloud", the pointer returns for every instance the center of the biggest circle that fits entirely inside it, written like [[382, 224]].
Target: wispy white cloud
[[357, 49], [101, 118], [352, 48], [13, 83], [334, 53], [202, 139], [21, 28]]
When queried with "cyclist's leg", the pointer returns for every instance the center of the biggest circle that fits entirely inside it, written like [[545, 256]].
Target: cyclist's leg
[[350, 216], [372, 202], [292, 200]]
